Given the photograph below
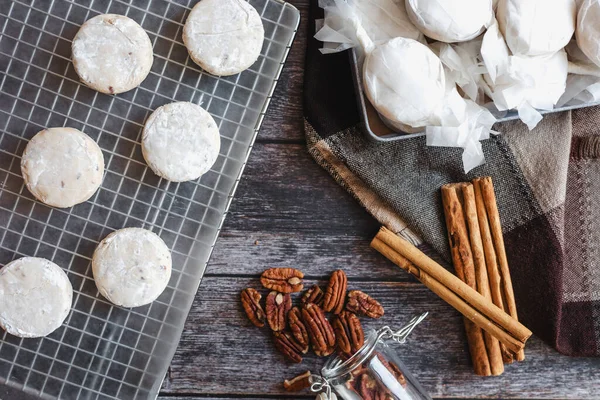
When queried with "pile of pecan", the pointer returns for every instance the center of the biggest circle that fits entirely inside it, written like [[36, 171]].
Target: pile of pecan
[[298, 328]]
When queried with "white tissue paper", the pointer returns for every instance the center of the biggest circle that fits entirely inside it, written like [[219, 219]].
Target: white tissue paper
[[450, 21], [583, 78], [536, 27], [494, 52], [531, 83], [461, 62], [588, 30], [524, 83], [381, 20], [462, 122]]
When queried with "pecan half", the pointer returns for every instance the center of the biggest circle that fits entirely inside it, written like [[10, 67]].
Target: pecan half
[[312, 295], [336, 292], [278, 306], [362, 304], [349, 333], [284, 280], [368, 388], [287, 345], [251, 303], [297, 383], [320, 331], [393, 368], [297, 326]]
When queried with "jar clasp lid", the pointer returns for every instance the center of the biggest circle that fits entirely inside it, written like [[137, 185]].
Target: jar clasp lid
[[401, 335], [320, 384]]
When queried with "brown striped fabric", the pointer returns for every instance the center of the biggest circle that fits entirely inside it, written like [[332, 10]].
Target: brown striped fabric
[[547, 184]]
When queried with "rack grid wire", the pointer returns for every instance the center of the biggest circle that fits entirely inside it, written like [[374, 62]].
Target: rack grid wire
[[102, 351]]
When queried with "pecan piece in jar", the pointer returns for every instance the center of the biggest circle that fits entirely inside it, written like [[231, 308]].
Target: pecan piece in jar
[[349, 333], [394, 369], [284, 280], [362, 304], [251, 303], [297, 326], [287, 345], [320, 331], [369, 389], [312, 295], [277, 307], [297, 383], [336, 292]]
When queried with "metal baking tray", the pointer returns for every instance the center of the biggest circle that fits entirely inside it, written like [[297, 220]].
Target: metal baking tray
[[102, 351], [376, 130]]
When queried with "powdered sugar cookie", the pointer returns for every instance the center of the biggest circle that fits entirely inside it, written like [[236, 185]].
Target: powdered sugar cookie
[[35, 297], [62, 167], [131, 267], [181, 141], [112, 53], [224, 37]]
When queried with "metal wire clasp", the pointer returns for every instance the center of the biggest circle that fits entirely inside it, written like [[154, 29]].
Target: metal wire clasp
[[320, 384], [400, 336]]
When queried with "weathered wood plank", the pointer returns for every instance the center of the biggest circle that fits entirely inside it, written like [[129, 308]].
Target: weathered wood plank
[[284, 190], [288, 211], [283, 121], [222, 354]]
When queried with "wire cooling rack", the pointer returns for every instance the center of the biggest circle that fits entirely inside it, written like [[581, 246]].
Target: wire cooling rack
[[106, 352]]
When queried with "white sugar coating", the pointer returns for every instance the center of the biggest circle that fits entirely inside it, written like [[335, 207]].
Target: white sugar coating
[[536, 27], [404, 93], [112, 53], [62, 167], [224, 37], [131, 267], [181, 141], [588, 30], [35, 297], [450, 21]]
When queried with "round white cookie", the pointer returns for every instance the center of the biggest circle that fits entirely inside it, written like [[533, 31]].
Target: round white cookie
[[224, 37], [35, 297], [180, 141], [112, 53], [62, 167], [131, 267]]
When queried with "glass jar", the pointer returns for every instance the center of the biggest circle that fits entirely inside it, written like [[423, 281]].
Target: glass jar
[[374, 372]]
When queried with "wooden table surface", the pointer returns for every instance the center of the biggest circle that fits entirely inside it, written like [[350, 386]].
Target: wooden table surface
[[289, 212]]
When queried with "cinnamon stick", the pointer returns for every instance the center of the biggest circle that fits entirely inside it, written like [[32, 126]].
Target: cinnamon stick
[[447, 295], [491, 261], [493, 314], [492, 345], [462, 257], [489, 211]]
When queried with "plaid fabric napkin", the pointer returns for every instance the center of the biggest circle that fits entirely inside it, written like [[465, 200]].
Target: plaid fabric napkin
[[547, 183]]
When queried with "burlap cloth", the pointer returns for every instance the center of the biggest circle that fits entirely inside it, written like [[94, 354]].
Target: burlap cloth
[[547, 182]]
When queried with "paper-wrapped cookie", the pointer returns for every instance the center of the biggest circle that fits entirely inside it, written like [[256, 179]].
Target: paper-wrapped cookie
[[450, 21], [536, 27], [588, 30], [407, 94], [522, 83]]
